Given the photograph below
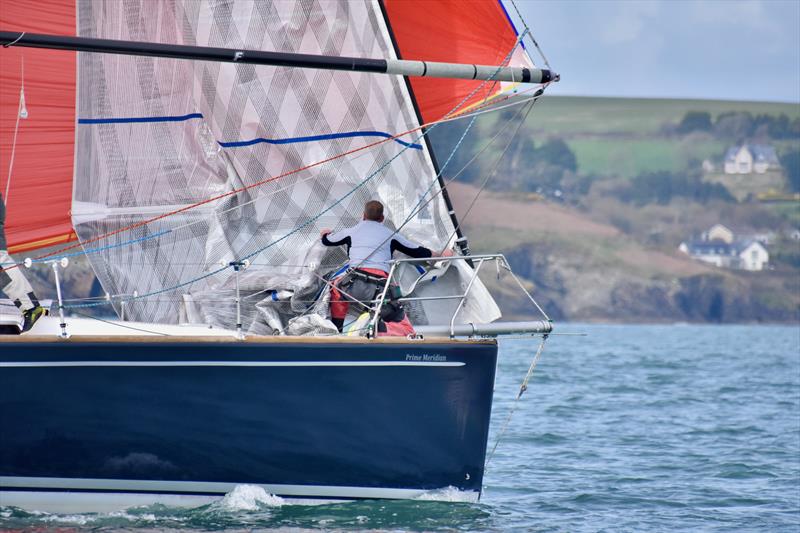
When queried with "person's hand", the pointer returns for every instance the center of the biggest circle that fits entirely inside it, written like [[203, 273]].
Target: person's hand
[[447, 253], [324, 232]]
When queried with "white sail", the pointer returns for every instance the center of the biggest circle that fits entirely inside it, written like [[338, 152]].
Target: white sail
[[157, 135]]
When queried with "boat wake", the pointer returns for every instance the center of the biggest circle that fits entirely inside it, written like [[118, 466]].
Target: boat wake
[[449, 494], [252, 506], [248, 498]]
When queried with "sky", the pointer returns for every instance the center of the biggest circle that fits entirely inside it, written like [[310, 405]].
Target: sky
[[712, 49]]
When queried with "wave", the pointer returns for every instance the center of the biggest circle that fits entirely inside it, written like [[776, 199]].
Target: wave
[[449, 494], [247, 498]]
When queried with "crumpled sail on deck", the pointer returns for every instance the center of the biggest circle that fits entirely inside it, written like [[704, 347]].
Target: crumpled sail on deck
[[156, 134]]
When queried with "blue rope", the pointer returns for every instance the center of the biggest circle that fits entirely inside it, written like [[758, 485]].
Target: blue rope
[[103, 248], [257, 140]]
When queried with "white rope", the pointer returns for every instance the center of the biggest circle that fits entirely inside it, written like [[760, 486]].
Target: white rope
[[12, 43], [530, 34], [20, 109], [522, 388], [493, 171], [159, 333]]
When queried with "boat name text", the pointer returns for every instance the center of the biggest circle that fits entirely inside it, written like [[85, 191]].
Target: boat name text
[[432, 357]]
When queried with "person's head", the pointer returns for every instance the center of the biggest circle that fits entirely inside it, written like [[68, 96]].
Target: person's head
[[373, 210]]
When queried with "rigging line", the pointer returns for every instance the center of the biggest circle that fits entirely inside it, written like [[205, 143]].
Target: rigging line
[[428, 125], [420, 205], [475, 111], [492, 173], [301, 226], [122, 325], [418, 208], [453, 178], [530, 33], [262, 182], [309, 178], [522, 388], [104, 248], [483, 186], [89, 251], [340, 200], [20, 109], [408, 219], [216, 198]]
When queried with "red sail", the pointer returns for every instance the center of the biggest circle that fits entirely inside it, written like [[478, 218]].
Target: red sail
[[40, 195], [451, 31]]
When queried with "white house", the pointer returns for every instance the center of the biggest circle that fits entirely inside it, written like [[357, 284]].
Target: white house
[[718, 232], [747, 255], [720, 247], [753, 256], [750, 158]]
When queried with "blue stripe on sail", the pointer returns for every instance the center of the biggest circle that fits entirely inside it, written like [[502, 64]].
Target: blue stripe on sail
[[311, 138], [251, 142], [511, 21], [132, 120]]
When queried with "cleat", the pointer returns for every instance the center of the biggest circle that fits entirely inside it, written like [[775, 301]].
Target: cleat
[[31, 316]]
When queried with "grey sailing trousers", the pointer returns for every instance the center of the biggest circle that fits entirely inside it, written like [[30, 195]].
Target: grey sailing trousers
[[14, 284]]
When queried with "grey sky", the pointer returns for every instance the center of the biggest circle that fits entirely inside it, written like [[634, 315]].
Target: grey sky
[[715, 49]]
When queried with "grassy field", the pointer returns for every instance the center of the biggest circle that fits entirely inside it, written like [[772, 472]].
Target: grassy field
[[623, 137], [565, 115], [628, 158]]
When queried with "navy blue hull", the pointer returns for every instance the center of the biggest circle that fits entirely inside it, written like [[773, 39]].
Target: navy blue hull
[[373, 415]]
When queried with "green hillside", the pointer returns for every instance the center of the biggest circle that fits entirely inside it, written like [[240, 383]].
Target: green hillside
[[617, 137], [565, 115], [629, 157], [594, 196]]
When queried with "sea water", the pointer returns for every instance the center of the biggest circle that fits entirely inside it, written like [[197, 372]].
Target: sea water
[[630, 428]]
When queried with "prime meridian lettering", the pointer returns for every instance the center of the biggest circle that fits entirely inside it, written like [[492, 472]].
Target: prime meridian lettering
[[427, 357]]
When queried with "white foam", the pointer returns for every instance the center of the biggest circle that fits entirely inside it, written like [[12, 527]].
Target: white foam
[[75, 519], [148, 517], [449, 494], [248, 498]]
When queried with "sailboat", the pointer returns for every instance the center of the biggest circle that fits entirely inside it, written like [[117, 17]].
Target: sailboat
[[192, 151]]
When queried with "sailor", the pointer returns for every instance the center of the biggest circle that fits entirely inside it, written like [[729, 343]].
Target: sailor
[[13, 282], [370, 245]]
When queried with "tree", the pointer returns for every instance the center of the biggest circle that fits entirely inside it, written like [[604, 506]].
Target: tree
[[791, 164], [557, 153], [662, 186], [734, 125], [695, 121]]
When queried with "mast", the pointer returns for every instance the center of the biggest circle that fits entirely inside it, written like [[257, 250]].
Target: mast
[[280, 59]]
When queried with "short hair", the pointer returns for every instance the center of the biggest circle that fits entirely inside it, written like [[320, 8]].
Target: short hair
[[373, 210]]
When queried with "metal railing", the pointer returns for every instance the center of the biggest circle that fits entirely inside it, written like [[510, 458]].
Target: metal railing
[[478, 261]]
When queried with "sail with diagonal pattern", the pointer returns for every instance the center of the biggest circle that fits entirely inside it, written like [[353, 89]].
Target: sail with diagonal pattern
[[182, 167]]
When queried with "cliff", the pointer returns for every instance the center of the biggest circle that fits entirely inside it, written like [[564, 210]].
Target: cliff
[[582, 269]]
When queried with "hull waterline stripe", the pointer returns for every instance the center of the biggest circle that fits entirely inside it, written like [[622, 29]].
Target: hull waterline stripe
[[36, 364], [207, 487], [251, 142]]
